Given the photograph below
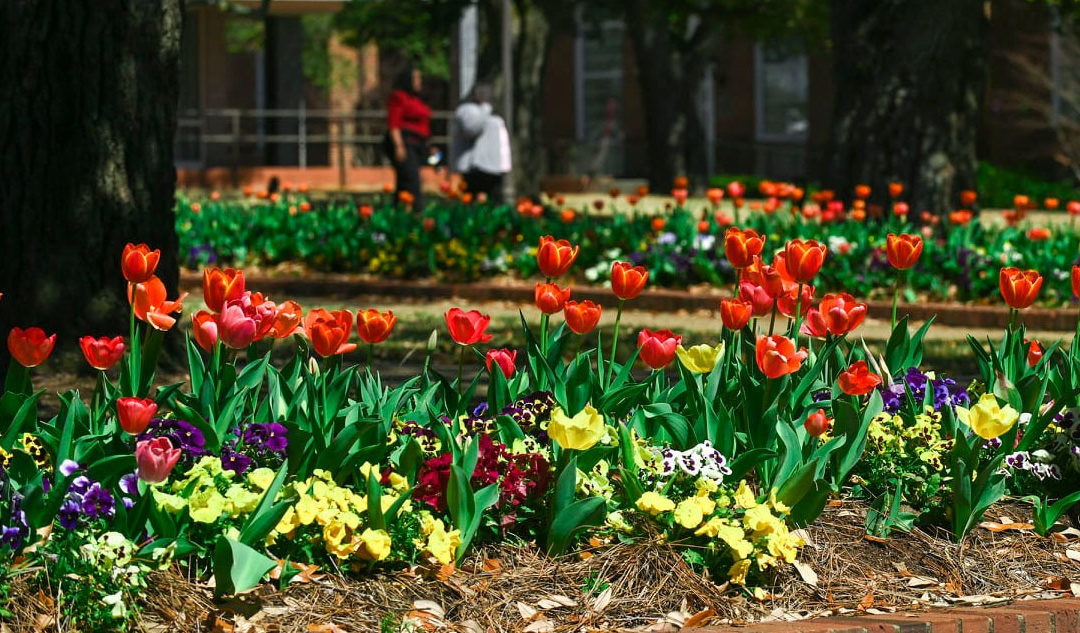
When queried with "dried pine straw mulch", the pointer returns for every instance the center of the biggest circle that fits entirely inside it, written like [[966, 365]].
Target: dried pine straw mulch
[[644, 586]]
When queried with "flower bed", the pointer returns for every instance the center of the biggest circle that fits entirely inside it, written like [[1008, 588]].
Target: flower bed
[[724, 451], [453, 241]]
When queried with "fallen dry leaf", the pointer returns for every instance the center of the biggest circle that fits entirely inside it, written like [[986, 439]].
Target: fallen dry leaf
[[994, 526], [699, 618], [540, 626], [1074, 587], [527, 612], [555, 601], [808, 575], [329, 627], [445, 571], [1072, 555], [867, 601], [492, 565], [1059, 583], [602, 601], [922, 581]]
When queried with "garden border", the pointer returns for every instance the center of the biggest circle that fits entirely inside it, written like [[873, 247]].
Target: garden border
[[1057, 615], [655, 299]]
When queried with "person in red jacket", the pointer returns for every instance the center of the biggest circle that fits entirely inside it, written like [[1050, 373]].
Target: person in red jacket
[[408, 120]]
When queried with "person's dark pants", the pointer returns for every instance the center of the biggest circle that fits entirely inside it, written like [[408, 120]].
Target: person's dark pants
[[491, 185], [407, 173]]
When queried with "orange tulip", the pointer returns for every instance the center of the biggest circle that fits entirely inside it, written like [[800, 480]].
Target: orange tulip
[[960, 218], [221, 286], [30, 347], [769, 278], [642, 191], [862, 191], [329, 331], [817, 423], [1051, 203], [841, 313], [582, 317], [614, 192], [776, 356], [715, 195], [627, 281], [149, 303], [803, 259], [858, 380], [901, 209], [735, 313], [703, 226], [566, 216], [374, 326], [895, 189], [680, 182], [550, 297], [138, 262], [903, 250], [1021, 202], [658, 224], [680, 196], [741, 247], [967, 198], [1019, 288], [1038, 234], [555, 257], [205, 329]]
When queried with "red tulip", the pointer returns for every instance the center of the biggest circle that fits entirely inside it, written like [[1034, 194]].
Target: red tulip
[[901, 209], [769, 277], [30, 347], [735, 189], [776, 356], [236, 329], [742, 247], [374, 326], [1073, 207], [814, 325], [817, 423], [903, 250], [627, 281], [555, 257], [102, 353], [222, 286], [1076, 281], [504, 358], [550, 297], [658, 348], [788, 301], [735, 313], [138, 262], [135, 414], [205, 329], [1019, 288], [841, 313], [960, 218], [967, 198], [758, 298], [658, 224], [1038, 234], [803, 259], [858, 380], [1035, 353], [156, 459], [329, 331], [467, 328], [582, 317]]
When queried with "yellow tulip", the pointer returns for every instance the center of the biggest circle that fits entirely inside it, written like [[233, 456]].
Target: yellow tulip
[[987, 418], [699, 359], [580, 432]]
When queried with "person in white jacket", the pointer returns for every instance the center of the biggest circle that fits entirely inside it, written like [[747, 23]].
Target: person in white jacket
[[481, 145]]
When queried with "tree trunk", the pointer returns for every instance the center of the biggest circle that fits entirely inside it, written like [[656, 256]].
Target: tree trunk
[[87, 121], [532, 37], [910, 77]]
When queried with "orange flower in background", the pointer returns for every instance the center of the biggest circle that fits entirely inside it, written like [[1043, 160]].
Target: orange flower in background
[[467, 328], [776, 356], [960, 218], [550, 297], [658, 224], [1035, 353], [102, 353], [901, 209], [680, 182], [1038, 234], [803, 259], [858, 380], [30, 347], [722, 219], [627, 280], [858, 215], [859, 205], [428, 224], [703, 226], [366, 211], [741, 247], [204, 329], [329, 331], [817, 423], [598, 204], [1012, 218], [680, 196], [248, 190], [632, 200], [841, 313], [862, 191], [221, 286], [305, 206], [614, 192], [903, 250], [582, 317], [1021, 202], [275, 198], [1073, 207], [715, 195], [405, 198], [555, 257], [642, 191], [1019, 288], [150, 305], [374, 326], [967, 198], [1051, 203], [736, 190], [1075, 276], [138, 262], [567, 216], [387, 187], [895, 189], [735, 313], [657, 349]]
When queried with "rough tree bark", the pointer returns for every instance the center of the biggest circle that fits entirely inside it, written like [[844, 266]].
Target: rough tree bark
[[532, 37], [87, 120], [910, 77]]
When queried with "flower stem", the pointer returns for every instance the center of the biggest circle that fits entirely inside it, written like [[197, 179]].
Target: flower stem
[[772, 319], [895, 298], [798, 316], [460, 365], [615, 340]]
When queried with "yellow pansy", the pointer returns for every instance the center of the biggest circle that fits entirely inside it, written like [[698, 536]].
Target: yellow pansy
[[288, 522], [261, 478], [689, 513], [761, 521], [374, 544], [784, 545], [442, 545], [306, 509], [987, 418], [239, 500], [737, 572], [744, 496], [654, 503], [778, 506], [617, 522], [699, 359], [169, 503], [399, 483], [580, 432], [206, 505]]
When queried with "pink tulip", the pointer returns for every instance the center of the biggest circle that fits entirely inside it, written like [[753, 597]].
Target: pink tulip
[[135, 414], [156, 459], [235, 328]]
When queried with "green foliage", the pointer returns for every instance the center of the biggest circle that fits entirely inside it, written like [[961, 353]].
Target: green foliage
[[998, 185]]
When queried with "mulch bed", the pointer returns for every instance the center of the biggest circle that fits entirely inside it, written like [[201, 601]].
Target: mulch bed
[[644, 586]]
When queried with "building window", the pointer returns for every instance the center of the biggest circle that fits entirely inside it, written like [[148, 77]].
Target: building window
[[782, 89]]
